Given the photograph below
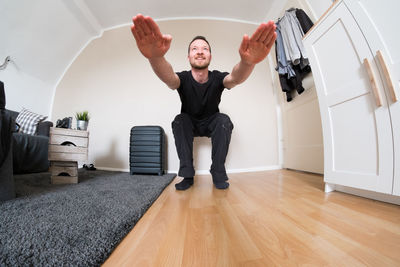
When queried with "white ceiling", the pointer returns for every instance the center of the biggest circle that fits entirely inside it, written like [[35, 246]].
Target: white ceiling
[[112, 13], [43, 37]]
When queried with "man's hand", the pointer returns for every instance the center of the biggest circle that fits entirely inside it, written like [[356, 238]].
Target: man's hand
[[252, 51], [257, 47], [150, 41], [153, 45]]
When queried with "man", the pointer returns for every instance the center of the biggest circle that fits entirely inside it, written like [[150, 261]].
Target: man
[[200, 91]]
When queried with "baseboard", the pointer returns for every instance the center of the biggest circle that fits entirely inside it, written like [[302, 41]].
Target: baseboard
[[255, 169], [112, 169], [204, 172], [367, 194]]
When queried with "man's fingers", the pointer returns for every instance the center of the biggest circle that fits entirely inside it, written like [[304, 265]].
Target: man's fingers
[[146, 26], [257, 34], [136, 28], [271, 35], [143, 25], [271, 39], [167, 38], [136, 20], [268, 31], [245, 43], [135, 33], [263, 32], [152, 25], [271, 42]]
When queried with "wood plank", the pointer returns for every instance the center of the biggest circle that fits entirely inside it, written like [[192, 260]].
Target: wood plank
[[64, 163], [64, 179], [271, 218], [67, 149], [57, 170], [68, 132], [67, 157], [76, 140]]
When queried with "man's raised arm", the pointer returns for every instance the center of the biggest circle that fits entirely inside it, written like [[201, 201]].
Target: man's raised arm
[[153, 45], [252, 51]]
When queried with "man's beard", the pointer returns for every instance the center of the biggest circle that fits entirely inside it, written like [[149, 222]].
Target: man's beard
[[200, 67]]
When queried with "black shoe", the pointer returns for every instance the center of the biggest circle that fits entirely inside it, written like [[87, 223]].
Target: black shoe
[[89, 167], [288, 97], [221, 185], [184, 184]]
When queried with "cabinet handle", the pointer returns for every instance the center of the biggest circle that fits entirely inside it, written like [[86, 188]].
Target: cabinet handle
[[388, 78], [378, 97]]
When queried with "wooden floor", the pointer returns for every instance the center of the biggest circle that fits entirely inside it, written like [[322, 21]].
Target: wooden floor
[[270, 218]]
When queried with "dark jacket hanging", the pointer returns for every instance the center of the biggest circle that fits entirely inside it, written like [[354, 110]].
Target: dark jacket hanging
[[295, 82], [304, 20]]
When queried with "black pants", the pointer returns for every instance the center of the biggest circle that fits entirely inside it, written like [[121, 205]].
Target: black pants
[[219, 127]]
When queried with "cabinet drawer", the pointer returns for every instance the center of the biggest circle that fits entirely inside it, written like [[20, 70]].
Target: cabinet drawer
[[70, 132], [62, 156], [59, 167], [63, 139], [67, 149], [67, 153]]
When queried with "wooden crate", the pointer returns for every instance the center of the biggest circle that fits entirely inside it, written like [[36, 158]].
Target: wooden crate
[[66, 148], [64, 172]]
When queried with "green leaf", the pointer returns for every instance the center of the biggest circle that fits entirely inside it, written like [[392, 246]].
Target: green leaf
[[82, 116]]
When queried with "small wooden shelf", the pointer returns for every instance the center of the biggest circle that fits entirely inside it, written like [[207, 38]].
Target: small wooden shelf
[[66, 148]]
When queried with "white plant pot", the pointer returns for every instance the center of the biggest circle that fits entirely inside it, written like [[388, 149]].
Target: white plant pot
[[82, 125]]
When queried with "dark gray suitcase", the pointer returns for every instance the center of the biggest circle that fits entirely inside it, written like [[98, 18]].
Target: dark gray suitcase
[[147, 150]]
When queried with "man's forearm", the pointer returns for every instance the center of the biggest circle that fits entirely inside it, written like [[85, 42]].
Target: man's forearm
[[163, 69], [239, 74]]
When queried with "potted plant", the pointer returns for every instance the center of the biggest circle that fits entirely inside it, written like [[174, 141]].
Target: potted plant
[[82, 120]]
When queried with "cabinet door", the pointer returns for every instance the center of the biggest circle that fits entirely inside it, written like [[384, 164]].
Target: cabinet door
[[378, 21], [358, 146]]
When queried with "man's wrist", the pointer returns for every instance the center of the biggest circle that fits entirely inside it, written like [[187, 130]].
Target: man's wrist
[[157, 61], [246, 63]]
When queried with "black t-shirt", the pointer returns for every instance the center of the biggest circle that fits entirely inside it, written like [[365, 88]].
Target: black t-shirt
[[201, 100]]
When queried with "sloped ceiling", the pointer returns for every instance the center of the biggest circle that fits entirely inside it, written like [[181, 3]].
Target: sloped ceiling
[[43, 37], [111, 13]]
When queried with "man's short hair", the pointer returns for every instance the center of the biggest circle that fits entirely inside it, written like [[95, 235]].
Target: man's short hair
[[199, 37]]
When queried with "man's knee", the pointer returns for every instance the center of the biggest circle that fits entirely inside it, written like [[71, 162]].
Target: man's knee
[[181, 120], [224, 121]]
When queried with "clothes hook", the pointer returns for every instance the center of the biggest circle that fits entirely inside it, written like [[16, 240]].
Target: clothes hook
[[4, 65]]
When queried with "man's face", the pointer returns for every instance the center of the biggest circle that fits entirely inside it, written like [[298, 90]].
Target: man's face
[[199, 54]]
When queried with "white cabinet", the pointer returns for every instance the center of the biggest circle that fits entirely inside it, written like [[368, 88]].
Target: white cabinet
[[378, 21], [359, 111]]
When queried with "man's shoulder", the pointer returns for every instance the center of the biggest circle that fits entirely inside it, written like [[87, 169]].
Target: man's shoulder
[[219, 74], [182, 73]]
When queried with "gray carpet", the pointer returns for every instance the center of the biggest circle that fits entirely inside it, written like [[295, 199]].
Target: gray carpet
[[73, 225]]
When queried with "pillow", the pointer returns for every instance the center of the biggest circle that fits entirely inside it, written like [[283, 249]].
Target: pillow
[[28, 121]]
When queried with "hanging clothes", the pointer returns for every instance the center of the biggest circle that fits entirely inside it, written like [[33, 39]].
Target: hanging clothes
[[304, 20], [292, 35], [291, 57], [283, 66]]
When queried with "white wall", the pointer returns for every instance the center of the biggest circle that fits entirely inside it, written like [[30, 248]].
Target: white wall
[[41, 37], [301, 144], [112, 80]]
